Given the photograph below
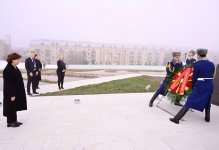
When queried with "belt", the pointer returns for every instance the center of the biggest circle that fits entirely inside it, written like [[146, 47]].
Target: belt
[[203, 79]]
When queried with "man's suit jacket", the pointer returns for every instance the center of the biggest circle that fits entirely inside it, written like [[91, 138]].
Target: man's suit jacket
[[30, 65]]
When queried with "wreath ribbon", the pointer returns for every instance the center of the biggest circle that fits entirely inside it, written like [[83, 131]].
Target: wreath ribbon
[[181, 82]]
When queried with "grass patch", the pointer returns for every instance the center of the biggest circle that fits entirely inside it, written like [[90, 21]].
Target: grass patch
[[130, 85], [145, 70], [70, 73]]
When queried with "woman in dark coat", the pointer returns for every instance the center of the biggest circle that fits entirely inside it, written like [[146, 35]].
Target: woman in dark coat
[[200, 97], [14, 96], [61, 72]]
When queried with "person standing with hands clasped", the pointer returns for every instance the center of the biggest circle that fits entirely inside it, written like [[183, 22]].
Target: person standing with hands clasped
[[32, 72], [14, 96], [61, 72]]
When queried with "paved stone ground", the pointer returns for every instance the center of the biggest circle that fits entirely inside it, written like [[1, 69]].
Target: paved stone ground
[[107, 122]]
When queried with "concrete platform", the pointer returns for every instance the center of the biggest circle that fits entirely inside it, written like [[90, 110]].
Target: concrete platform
[[107, 122]]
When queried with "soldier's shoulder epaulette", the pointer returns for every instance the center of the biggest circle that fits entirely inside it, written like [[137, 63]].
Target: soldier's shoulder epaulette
[[168, 64]]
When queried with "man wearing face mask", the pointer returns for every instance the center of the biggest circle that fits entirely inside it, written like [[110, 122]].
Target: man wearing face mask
[[171, 68], [200, 97]]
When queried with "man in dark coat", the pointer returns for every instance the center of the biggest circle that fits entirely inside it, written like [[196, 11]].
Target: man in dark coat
[[171, 66], [32, 72], [39, 68], [200, 97], [14, 96], [61, 72]]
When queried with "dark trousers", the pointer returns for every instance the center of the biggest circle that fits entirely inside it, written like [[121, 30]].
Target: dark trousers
[[37, 83], [38, 79], [61, 76], [12, 117], [32, 80]]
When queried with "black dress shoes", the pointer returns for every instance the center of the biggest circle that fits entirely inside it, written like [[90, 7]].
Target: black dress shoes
[[59, 88], [62, 87], [35, 93], [18, 123], [29, 94], [14, 125]]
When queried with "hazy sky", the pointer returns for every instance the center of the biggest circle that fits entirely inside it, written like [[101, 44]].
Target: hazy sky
[[189, 23]]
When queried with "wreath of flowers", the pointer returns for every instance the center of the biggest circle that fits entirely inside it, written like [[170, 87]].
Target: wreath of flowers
[[180, 86]]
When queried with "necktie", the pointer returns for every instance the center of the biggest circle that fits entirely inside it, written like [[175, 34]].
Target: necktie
[[34, 63]]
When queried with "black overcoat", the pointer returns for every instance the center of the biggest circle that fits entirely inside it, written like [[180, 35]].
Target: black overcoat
[[39, 68], [13, 86], [61, 66]]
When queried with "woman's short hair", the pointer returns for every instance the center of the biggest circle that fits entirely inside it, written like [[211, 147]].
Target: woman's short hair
[[193, 52], [13, 56]]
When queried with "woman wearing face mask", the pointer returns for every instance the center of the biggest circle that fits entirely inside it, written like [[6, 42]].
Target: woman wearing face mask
[[14, 96]]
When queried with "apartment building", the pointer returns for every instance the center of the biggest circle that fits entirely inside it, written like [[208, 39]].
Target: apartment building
[[99, 53]]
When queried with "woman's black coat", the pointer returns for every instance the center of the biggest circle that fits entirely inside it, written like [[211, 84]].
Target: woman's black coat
[[13, 86]]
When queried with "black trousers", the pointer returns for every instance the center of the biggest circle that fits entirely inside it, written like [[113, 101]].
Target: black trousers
[[38, 79], [37, 83], [12, 117], [32, 80], [61, 76]]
